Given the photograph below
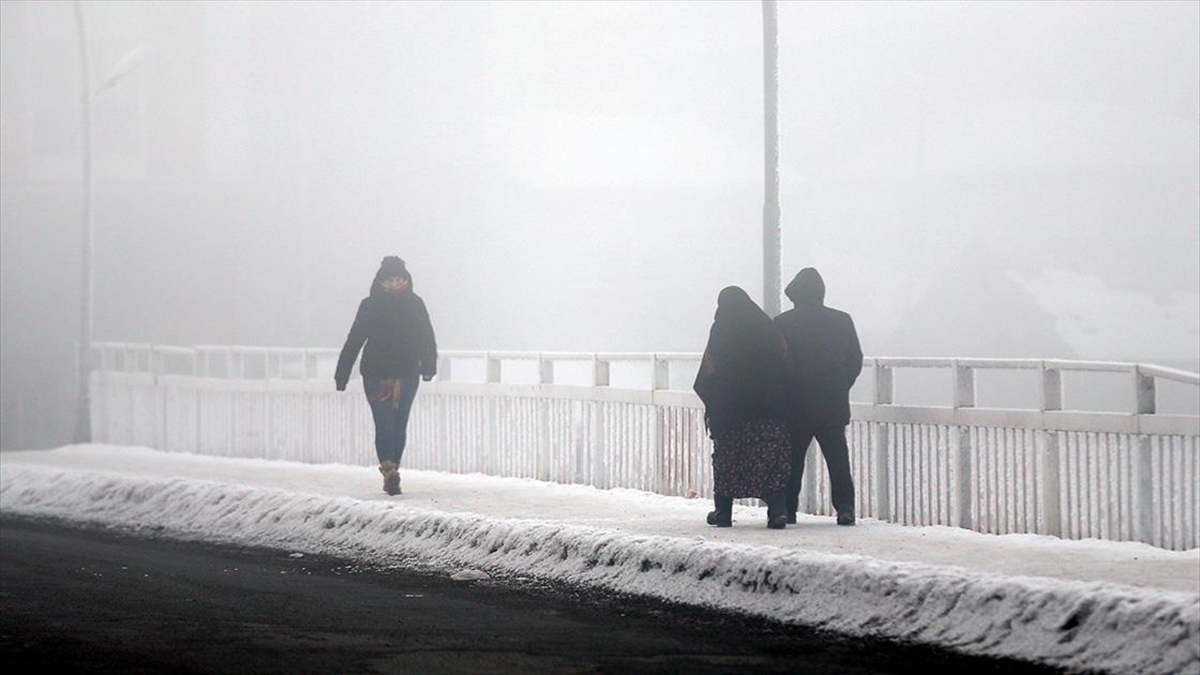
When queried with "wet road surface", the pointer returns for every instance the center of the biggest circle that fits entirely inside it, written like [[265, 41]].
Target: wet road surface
[[91, 600]]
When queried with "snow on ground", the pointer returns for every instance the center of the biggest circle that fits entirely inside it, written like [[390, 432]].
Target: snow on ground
[[1112, 606]]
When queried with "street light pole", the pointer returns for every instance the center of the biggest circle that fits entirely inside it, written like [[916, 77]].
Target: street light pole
[[129, 62], [83, 422], [771, 210]]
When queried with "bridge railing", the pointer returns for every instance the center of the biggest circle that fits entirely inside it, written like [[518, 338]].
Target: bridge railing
[[630, 420]]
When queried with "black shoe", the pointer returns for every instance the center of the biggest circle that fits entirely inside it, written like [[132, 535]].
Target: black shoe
[[777, 522], [846, 517], [720, 519], [791, 518]]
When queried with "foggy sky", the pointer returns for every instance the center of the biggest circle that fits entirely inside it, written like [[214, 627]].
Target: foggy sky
[[988, 179]]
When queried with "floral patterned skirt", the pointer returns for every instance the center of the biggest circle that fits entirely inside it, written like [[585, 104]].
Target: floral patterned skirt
[[751, 460]]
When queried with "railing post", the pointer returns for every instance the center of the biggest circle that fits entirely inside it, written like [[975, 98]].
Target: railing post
[[1051, 493], [545, 370], [268, 452], [545, 377], [579, 465], [1144, 404], [196, 393], [964, 386], [159, 398], [1144, 401], [493, 369], [600, 373], [964, 397], [1052, 388], [660, 379], [1052, 400], [491, 440], [660, 373], [232, 403], [598, 431], [1144, 491], [884, 388], [1143, 392], [600, 378], [883, 507], [884, 394], [98, 396], [308, 445], [964, 488]]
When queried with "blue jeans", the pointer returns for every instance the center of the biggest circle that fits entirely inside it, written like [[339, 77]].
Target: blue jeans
[[391, 415]]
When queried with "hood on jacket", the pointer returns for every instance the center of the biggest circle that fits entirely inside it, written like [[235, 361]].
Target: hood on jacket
[[807, 288]]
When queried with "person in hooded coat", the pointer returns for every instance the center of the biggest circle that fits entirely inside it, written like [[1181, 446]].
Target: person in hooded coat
[[742, 384], [825, 360], [400, 350]]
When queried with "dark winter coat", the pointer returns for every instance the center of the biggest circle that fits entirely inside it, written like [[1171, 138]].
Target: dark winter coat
[[398, 335], [742, 374], [825, 357]]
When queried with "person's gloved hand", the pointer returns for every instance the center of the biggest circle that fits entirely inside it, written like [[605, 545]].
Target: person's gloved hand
[[427, 378]]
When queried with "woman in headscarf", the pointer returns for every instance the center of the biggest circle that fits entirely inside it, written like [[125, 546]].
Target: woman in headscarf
[[742, 384], [400, 351]]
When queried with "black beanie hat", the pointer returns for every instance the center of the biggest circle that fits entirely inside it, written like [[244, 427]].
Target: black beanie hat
[[391, 266]]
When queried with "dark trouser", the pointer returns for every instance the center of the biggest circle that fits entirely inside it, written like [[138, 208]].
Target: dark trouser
[[775, 504], [391, 417], [837, 457]]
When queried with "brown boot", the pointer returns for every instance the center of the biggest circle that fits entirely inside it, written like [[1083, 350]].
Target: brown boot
[[391, 477]]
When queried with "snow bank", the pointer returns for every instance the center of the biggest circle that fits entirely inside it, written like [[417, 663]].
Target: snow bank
[[1076, 625]]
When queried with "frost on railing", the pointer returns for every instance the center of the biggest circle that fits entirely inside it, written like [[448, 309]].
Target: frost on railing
[[1069, 448]]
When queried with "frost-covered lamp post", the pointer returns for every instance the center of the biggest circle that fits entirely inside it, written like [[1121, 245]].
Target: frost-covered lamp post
[[83, 424], [771, 211]]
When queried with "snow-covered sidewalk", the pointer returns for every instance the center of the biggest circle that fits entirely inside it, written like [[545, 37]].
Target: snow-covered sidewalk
[[1120, 607]]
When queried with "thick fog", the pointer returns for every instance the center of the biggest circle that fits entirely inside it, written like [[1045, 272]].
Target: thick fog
[[972, 179]]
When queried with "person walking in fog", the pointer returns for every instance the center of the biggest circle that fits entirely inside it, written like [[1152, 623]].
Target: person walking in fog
[[742, 384], [400, 351], [825, 360]]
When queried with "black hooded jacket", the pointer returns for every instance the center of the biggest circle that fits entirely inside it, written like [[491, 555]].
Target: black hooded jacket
[[398, 335], [742, 375], [825, 357]]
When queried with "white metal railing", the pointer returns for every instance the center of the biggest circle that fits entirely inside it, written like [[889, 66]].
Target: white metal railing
[[631, 420]]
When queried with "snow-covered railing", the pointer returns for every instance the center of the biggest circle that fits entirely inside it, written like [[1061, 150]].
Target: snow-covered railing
[[630, 420]]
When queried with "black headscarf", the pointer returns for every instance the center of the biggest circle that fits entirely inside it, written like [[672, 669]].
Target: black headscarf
[[742, 375]]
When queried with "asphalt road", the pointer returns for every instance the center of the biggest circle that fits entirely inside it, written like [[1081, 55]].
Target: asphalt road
[[99, 601]]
